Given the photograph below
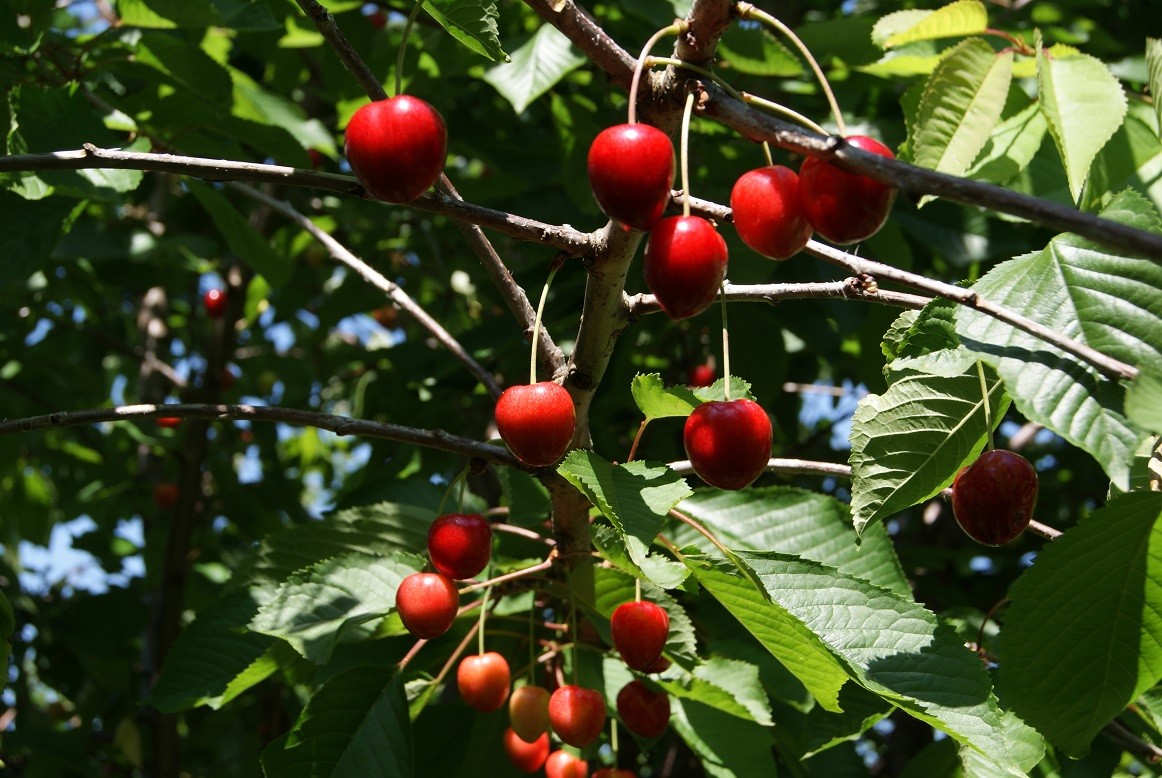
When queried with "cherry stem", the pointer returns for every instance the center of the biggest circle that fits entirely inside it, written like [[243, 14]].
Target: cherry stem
[[767, 153], [537, 323], [572, 623], [984, 623], [1044, 530], [510, 576], [1018, 44], [988, 417], [686, 153], [681, 63], [613, 737], [403, 44], [725, 346], [637, 589], [460, 649], [748, 11], [782, 110], [415, 649], [637, 439], [459, 479], [533, 641], [677, 28], [483, 613]]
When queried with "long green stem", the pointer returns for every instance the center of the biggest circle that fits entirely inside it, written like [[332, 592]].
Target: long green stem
[[637, 590], [988, 416], [403, 44], [686, 153], [767, 153], [782, 110], [463, 474], [748, 11], [483, 613], [613, 737], [572, 622], [679, 63], [725, 345], [673, 29], [537, 324], [533, 641]]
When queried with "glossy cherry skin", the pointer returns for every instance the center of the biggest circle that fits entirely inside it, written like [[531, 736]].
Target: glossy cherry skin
[[639, 632], [483, 681], [528, 712], [700, 375], [643, 711], [562, 764], [845, 207], [660, 666], [460, 544], [397, 147], [427, 604], [577, 715], [993, 498], [768, 212], [537, 421], [165, 495], [631, 172], [728, 442], [526, 757], [684, 264], [214, 301]]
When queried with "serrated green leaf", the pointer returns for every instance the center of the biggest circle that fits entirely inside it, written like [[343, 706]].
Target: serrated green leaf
[[909, 443], [888, 644], [960, 18], [913, 59], [1079, 290], [1083, 104], [243, 240], [659, 570], [356, 724], [793, 521], [1131, 160], [961, 105], [739, 389], [1011, 147], [313, 608], [472, 22], [211, 654], [611, 588], [893, 339], [741, 681], [636, 497], [756, 52], [1026, 747], [656, 401], [535, 68], [1154, 66], [1144, 401], [1098, 590], [727, 746]]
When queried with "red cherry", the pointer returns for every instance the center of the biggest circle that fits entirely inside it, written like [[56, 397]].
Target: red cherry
[[639, 632], [460, 544], [165, 495], [378, 18], [537, 421], [215, 302], [562, 764], [427, 603], [700, 375], [644, 712], [768, 212], [845, 207], [528, 712], [316, 157], [660, 666], [397, 147], [527, 757], [577, 714], [483, 681], [684, 264], [729, 443], [168, 422], [993, 498], [631, 171]]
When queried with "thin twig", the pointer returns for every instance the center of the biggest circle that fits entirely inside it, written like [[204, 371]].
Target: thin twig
[[401, 298], [773, 294], [522, 532], [340, 425], [776, 465], [513, 576]]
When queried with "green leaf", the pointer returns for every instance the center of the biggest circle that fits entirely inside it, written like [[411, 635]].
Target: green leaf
[[31, 232], [7, 624], [793, 521], [756, 52], [313, 608], [961, 105], [656, 401], [1068, 287], [186, 65], [1084, 105], [1144, 401], [1011, 147], [909, 443], [656, 568], [636, 497], [612, 588], [535, 68], [727, 746], [1154, 65], [963, 17], [1131, 160], [248, 15], [895, 335], [741, 681], [256, 104], [1026, 747], [243, 240], [739, 388], [356, 724], [211, 654], [528, 499], [1098, 590], [888, 644], [472, 22]]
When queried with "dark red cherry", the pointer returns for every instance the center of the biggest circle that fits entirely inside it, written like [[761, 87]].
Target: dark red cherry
[[845, 207], [684, 264], [728, 442], [993, 498]]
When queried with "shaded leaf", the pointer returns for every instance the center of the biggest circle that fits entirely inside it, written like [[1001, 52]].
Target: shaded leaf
[[244, 241], [1144, 401], [1154, 66], [1098, 590], [1011, 147], [472, 22], [756, 52], [727, 746]]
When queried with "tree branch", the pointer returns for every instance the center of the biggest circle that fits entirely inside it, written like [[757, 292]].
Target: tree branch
[[788, 466], [401, 298], [340, 425], [325, 24], [773, 294]]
